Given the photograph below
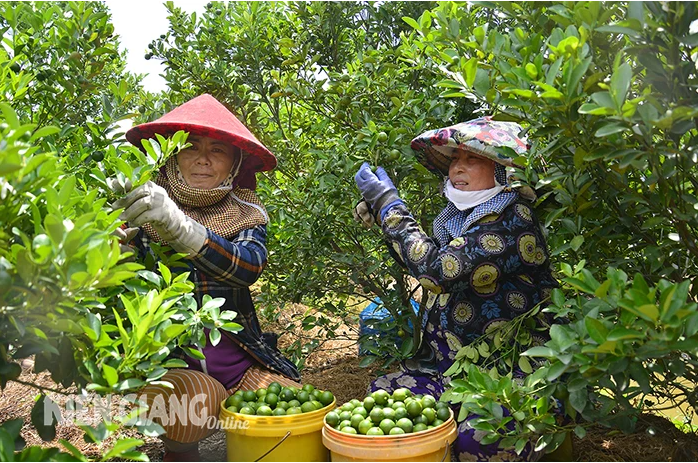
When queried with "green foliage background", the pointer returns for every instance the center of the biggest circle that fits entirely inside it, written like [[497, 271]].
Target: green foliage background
[[606, 92]]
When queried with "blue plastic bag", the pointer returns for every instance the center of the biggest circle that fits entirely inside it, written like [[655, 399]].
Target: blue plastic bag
[[376, 313]]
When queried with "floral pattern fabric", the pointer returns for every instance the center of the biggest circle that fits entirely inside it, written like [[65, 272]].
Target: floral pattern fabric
[[497, 270]]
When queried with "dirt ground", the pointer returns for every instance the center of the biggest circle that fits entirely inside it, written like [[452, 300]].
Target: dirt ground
[[336, 367]]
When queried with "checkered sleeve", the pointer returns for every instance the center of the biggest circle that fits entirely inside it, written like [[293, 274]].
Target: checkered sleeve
[[238, 262]]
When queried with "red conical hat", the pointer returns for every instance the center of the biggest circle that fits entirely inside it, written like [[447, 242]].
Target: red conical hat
[[205, 116]]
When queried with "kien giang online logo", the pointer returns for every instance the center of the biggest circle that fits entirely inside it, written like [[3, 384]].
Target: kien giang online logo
[[183, 410]]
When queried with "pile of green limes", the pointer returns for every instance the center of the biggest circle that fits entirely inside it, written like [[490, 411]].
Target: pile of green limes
[[275, 400], [382, 414]]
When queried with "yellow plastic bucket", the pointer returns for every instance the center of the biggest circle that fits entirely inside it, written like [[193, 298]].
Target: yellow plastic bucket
[[275, 438], [429, 445]]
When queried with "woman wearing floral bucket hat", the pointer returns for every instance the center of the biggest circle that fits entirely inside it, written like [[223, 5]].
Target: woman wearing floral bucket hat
[[203, 204], [486, 263]]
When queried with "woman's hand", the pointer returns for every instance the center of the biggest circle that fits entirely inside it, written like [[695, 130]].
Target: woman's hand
[[149, 203], [363, 214], [377, 189]]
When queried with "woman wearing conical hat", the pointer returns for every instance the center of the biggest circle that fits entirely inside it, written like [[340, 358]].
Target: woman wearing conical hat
[[203, 204], [486, 262]]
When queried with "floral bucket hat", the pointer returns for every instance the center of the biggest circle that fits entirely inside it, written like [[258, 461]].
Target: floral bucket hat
[[482, 136]]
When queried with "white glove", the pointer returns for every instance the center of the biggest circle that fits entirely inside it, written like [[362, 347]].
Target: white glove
[[362, 214], [124, 236], [149, 203]]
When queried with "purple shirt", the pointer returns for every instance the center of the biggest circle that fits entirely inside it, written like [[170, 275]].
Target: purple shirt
[[227, 362]]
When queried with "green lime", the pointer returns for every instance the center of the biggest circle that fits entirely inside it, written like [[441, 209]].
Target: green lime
[[443, 413], [98, 156], [438, 422], [420, 419], [375, 431], [308, 407], [264, 410], [355, 402], [282, 404], [332, 419], [249, 396], [386, 425], [348, 406], [317, 404], [326, 398], [355, 420], [293, 411], [279, 412], [401, 394], [232, 409], [429, 414], [360, 410], [344, 424], [303, 396], [400, 413], [405, 424], [381, 397], [414, 408], [348, 430], [274, 389], [247, 411], [395, 431], [394, 156], [345, 415], [234, 401], [419, 427], [390, 403], [382, 137], [308, 388], [274, 384], [369, 402], [397, 404], [441, 404], [287, 394], [261, 392], [428, 401], [293, 403], [365, 425], [389, 413], [377, 415], [271, 399]]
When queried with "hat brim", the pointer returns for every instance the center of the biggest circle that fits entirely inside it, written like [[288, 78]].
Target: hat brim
[[264, 159], [434, 148]]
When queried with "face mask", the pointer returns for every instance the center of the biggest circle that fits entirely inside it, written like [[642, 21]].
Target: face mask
[[468, 199]]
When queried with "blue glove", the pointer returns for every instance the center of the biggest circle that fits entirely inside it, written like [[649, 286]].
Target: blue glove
[[377, 189]]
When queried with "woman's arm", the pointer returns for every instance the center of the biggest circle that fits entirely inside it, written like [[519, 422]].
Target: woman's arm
[[478, 259], [238, 262]]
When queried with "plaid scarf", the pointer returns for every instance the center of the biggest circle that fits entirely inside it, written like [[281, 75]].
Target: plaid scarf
[[451, 223], [225, 210]]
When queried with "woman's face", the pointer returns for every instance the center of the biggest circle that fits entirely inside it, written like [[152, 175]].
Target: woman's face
[[207, 162], [470, 172]]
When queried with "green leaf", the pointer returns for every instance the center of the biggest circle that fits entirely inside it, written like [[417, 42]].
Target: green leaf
[[580, 431], [610, 129], [540, 351], [368, 360], [577, 242], [620, 83], [45, 415], [596, 329], [411, 22], [619, 334], [579, 399], [9, 115], [525, 365], [122, 446], [470, 70], [110, 374]]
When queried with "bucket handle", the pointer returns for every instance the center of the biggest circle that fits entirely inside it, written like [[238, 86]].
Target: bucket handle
[[448, 449], [275, 446]]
